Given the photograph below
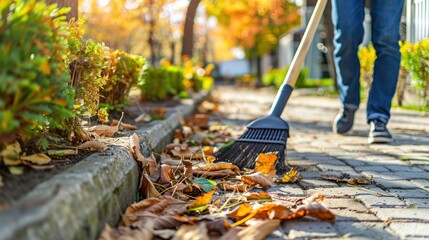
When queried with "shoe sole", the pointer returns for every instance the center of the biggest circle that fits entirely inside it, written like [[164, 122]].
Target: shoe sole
[[372, 140]]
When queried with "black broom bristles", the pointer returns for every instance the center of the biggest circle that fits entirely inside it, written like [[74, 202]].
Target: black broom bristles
[[244, 154]]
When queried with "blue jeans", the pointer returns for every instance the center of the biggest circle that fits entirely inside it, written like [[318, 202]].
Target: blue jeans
[[347, 17]]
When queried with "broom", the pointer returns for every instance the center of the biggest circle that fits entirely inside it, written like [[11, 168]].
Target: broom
[[270, 133]]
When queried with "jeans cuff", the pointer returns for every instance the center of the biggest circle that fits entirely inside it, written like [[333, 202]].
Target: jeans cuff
[[378, 116]]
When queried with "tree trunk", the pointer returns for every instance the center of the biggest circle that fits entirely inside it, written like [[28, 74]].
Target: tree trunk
[[72, 4], [188, 33], [329, 42]]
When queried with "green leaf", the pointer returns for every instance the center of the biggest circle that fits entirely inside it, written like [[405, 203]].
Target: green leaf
[[206, 184], [16, 170]]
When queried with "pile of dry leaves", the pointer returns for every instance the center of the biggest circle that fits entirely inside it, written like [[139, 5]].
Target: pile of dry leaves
[[187, 196]]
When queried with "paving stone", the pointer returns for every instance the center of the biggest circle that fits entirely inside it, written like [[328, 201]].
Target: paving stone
[[314, 183], [309, 228], [354, 162], [421, 183], [401, 184], [344, 191], [398, 213], [403, 168], [379, 201], [413, 175], [329, 167], [410, 193], [290, 190], [383, 175], [371, 168], [364, 230], [344, 203], [347, 215], [417, 202], [412, 230]]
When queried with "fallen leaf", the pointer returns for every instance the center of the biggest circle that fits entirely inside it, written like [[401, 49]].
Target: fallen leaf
[[315, 209], [354, 181], [1, 182], [11, 153], [62, 152], [39, 167], [214, 174], [258, 196], [199, 120], [144, 117], [166, 175], [205, 184], [147, 189], [201, 202], [313, 198], [135, 147], [217, 166], [208, 150], [160, 111], [165, 221], [182, 151], [93, 145], [258, 179], [229, 186], [146, 232], [39, 158], [273, 211], [123, 125], [240, 212], [291, 176], [258, 231], [165, 233], [16, 170], [265, 163], [192, 232], [104, 130], [162, 205], [188, 172]]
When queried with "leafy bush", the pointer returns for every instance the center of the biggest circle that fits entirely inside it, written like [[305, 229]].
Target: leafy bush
[[276, 76], [158, 83], [122, 72], [415, 58], [87, 60], [34, 90]]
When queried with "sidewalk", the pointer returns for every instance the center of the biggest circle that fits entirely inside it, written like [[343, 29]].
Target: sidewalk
[[395, 206]]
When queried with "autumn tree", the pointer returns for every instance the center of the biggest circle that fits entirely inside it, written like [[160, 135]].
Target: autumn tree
[[188, 32], [254, 25]]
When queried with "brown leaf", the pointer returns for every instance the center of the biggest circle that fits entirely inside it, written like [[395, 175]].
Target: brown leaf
[[291, 176], [217, 166], [273, 211], [93, 145], [123, 125], [105, 130], [11, 153], [214, 174], [135, 147], [354, 181], [166, 221], [199, 120], [145, 232], [351, 181], [39, 167], [147, 189], [162, 205], [201, 202], [258, 179], [192, 232], [166, 175], [258, 231], [39, 159], [229, 186], [160, 111], [1, 182], [188, 169], [265, 163], [315, 209]]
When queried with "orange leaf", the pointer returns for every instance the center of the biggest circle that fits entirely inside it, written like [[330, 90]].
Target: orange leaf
[[273, 211], [229, 186], [317, 210], [265, 164], [258, 179], [167, 175], [199, 120], [217, 166], [240, 212], [160, 111], [201, 202], [258, 196], [124, 125]]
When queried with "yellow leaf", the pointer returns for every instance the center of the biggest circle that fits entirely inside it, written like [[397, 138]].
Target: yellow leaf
[[45, 68], [39, 158], [291, 176], [265, 163], [201, 202]]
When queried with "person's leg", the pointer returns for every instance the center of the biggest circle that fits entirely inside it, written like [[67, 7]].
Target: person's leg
[[347, 18], [385, 21]]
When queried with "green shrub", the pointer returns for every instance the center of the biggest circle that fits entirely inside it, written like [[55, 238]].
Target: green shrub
[[275, 78], [34, 90]]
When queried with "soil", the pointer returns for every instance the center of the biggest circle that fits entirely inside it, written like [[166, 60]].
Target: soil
[[16, 186]]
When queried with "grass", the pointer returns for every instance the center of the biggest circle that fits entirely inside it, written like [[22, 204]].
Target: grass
[[413, 107]]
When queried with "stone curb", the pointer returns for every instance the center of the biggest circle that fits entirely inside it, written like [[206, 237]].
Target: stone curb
[[77, 203]]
